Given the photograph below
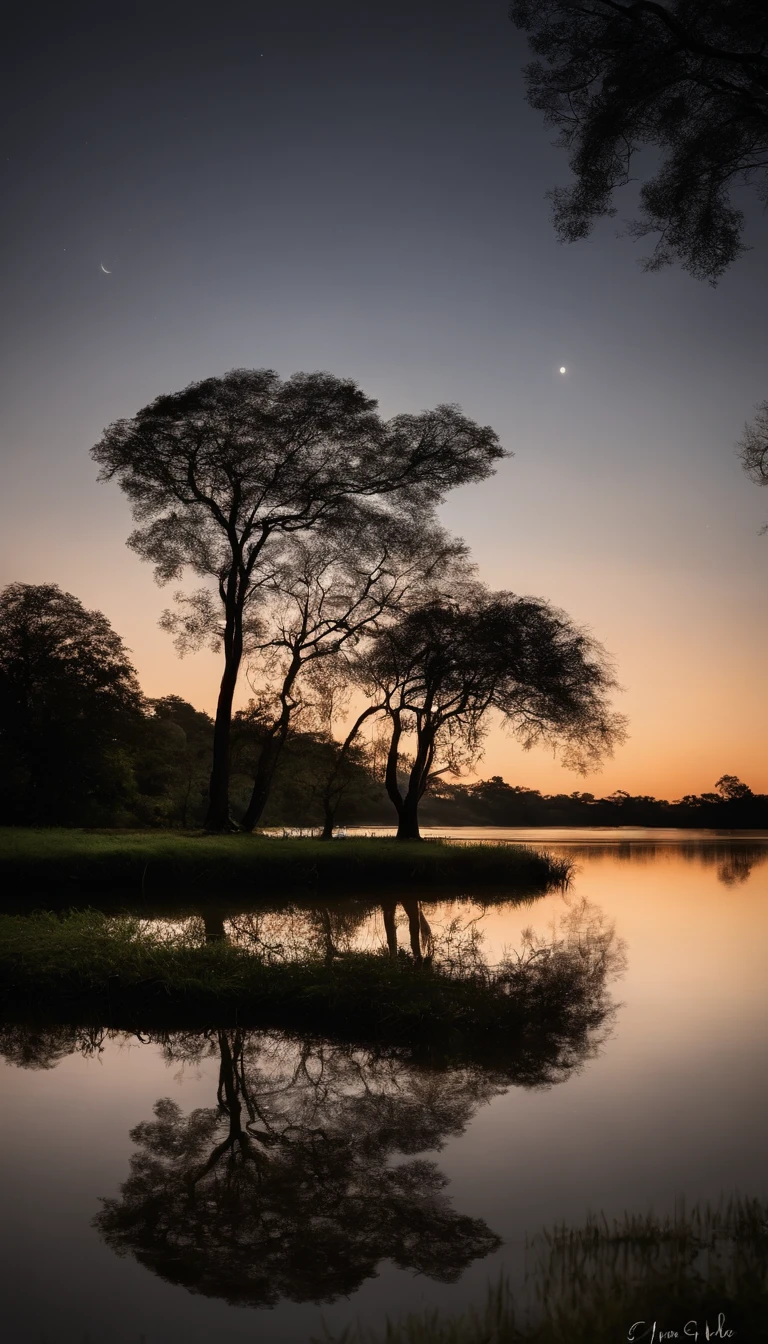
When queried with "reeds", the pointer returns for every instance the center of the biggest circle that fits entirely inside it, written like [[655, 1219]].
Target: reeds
[[706, 1270]]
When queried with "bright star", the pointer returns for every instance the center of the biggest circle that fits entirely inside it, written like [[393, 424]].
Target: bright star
[[563, 369]]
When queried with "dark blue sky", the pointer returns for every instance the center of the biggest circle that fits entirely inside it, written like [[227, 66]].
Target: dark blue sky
[[361, 188]]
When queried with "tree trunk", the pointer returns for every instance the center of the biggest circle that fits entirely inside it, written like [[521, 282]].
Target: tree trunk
[[408, 819], [329, 818], [390, 775], [408, 811], [214, 925], [388, 909], [265, 771], [217, 817], [331, 803], [411, 908]]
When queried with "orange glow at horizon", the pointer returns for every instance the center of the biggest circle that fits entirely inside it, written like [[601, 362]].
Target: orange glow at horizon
[[691, 719]]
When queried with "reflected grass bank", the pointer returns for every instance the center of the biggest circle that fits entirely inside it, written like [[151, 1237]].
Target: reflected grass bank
[[119, 970], [43, 861]]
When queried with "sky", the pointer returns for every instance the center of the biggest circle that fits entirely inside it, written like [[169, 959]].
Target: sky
[[361, 189]]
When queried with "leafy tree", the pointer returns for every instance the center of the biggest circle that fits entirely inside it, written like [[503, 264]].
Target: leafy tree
[[731, 788], [173, 763], [444, 666], [70, 709], [222, 472], [687, 79], [753, 448]]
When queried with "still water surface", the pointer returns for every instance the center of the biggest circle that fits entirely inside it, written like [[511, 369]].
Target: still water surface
[[448, 1172]]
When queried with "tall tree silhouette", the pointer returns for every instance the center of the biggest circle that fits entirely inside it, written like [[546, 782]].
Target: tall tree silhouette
[[686, 78], [221, 472]]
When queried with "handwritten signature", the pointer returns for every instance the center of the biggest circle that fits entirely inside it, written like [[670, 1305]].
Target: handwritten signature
[[642, 1330]]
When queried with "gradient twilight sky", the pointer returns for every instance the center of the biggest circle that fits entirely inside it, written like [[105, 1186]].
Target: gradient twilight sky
[[360, 188]]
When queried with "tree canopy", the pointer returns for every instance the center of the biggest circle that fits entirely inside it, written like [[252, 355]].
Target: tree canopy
[[220, 474], [447, 663], [685, 79], [70, 704]]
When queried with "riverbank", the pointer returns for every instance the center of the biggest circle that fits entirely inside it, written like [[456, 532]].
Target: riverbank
[[35, 862], [124, 972]]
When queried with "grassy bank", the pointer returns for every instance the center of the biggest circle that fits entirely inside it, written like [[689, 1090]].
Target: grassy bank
[[90, 967], [33, 862]]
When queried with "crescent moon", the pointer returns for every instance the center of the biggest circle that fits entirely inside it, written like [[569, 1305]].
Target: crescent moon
[[104, 269]]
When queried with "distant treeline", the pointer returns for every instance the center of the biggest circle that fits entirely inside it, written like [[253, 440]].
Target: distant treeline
[[493, 802]]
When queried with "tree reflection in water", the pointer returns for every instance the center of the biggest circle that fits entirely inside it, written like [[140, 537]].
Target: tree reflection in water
[[306, 1172], [331, 930], [733, 860], [285, 1188], [301, 932]]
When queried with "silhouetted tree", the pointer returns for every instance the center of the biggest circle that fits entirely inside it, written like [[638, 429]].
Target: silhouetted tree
[[326, 595], [686, 78], [70, 707], [445, 665], [349, 761], [221, 472], [172, 764], [753, 449], [731, 788]]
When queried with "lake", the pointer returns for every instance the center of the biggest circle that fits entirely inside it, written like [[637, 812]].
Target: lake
[[386, 1184]]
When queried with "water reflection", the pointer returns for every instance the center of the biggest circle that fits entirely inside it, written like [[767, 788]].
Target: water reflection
[[332, 930], [701, 1274], [308, 1168], [285, 1187], [733, 862], [448, 935]]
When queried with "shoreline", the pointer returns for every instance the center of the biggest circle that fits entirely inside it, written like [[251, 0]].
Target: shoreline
[[159, 862]]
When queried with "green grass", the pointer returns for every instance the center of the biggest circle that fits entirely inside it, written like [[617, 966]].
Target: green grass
[[33, 862], [123, 972]]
